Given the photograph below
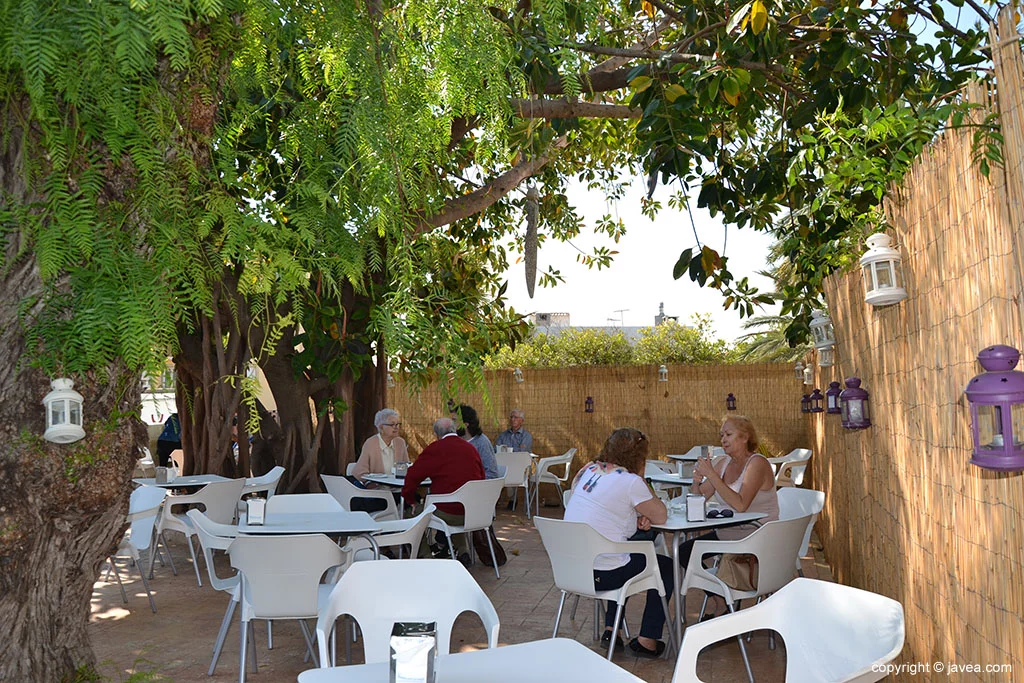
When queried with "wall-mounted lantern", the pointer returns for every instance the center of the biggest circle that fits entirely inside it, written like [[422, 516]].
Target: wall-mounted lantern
[[883, 274], [63, 412], [832, 399], [816, 400], [805, 404], [391, 381], [809, 375], [822, 331], [853, 404], [799, 370], [588, 405], [518, 375], [730, 402], [662, 374], [826, 357], [997, 410]]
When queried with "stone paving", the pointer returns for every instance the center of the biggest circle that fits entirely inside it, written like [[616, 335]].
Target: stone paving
[[177, 642]]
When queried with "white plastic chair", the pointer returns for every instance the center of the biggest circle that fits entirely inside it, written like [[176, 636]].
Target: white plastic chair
[[178, 458], [572, 548], [790, 468], [393, 533], [219, 501], [266, 483], [379, 594], [776, 546], [344, 491], [302, 502], [832, 632], [517, 475], [281, 580], [214, 536], [795, 502], [145, 467], [143, 510], [655, 467], [544, 475], [478, 498]]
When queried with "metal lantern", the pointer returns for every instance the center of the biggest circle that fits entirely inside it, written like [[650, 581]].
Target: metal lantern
[[808, 375], [589, 405], [63, 412], [730, 402], [832, 399], [826, 358], [853, 405], [799, 370], [816, 400], [662, 374], [883, 275], [997, 410], [805, 404], [518, 375], [821, 330], [391, 381]]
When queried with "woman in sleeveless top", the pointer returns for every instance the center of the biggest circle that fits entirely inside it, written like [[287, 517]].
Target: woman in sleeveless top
[[743, 482]]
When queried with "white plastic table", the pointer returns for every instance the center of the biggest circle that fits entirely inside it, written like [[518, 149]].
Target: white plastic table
[[554, 659], [678, 524], [340, 523], [670, 479], [394, 482], [191, 481], [693, 454]]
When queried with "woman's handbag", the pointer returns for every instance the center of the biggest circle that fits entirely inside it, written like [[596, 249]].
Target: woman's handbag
[[484, 552], [738, 571]]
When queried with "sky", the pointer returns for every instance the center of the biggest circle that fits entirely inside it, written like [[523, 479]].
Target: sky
[[640, 276]]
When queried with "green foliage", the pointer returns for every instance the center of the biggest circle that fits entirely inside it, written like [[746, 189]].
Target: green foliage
[[666, 343]]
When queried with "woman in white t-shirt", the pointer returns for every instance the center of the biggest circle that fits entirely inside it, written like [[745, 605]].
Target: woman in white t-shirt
[[611, 496]]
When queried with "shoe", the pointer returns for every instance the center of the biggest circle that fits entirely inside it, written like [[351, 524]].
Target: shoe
[[708, 616], [606, 639], [466, 560], [641, 651]]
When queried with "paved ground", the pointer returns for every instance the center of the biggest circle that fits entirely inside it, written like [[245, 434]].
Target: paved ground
[[177, 642]]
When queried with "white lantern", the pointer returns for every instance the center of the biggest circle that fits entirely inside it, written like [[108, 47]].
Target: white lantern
[[821, 329], [662, 374], [799, 370], [809, 375], [826, 358], [63, 412], [391, 381], [883, 275], [518, 375]]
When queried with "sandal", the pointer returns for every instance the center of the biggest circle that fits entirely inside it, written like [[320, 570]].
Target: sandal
[[641, 651]]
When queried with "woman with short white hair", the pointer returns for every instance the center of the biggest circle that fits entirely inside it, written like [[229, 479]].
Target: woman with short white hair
[[382, 450]]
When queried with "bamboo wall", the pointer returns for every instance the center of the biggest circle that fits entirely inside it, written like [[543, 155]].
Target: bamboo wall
[[906, 514], [684, 411]]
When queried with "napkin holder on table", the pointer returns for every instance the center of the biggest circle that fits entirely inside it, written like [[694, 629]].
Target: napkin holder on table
[[160, 475], [695, 507], [413, 652], [255, 511]]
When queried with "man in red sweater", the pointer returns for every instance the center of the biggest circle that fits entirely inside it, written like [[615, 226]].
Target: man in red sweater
[[449, 463]]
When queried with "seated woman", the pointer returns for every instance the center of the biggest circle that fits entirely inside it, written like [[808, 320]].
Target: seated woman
[[476, 436], [380, 453], [743, 482], [611, 496]]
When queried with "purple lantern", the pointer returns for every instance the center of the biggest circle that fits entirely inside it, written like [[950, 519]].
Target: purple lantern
[[816, 399], [997, 410], [588, 405], [832, 399], [805, 404], [853, 404], [730, 402]]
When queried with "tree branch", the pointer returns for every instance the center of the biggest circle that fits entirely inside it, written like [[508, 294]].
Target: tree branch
[[564, 109], [473, 203]]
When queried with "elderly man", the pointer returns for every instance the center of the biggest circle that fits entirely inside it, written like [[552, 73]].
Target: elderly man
[[515, 436], [449, 463]]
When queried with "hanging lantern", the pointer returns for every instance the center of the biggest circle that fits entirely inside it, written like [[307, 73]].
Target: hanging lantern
[[883, 274], [997, 410], [799, 370], [821, 330], [826, 357], [662, 374], [816, 400], [391, 381], [518, 375], [589, 405], [853, 404], [63, 412], [805, 404], [730, 402], [832, 399], [808, 375]]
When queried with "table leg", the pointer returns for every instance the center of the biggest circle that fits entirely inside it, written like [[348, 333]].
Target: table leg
[[677, 598]]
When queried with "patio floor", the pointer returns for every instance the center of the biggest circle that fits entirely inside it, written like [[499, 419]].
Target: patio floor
[[177, 642]]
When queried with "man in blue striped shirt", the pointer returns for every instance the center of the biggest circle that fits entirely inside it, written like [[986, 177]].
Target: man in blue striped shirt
[[515, 436]]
